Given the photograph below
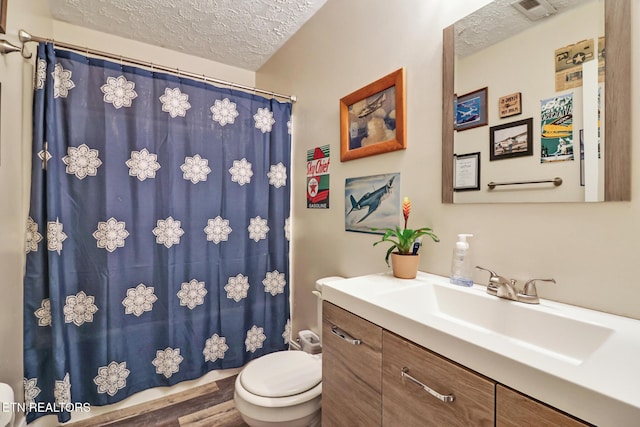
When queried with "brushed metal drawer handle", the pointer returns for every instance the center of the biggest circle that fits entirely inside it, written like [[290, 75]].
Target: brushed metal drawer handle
[[344, 336], [446, 398]]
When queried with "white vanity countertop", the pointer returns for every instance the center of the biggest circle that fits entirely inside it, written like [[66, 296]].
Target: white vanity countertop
[[581, 361]]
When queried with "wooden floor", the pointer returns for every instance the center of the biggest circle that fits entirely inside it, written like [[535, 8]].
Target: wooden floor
[[209, 405]]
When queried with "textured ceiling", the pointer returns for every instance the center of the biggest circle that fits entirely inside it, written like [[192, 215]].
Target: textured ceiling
[[495, 22], [241, 33]]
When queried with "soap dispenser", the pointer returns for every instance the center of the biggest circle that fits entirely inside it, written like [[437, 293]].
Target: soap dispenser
[[461, 266]]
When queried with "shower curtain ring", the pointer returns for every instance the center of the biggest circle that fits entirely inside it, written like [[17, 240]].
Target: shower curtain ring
[[22, 51]]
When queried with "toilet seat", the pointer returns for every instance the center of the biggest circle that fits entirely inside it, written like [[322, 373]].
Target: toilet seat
[[281, 379]]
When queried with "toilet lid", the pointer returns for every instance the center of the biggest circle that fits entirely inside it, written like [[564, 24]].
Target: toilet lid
[[283, 373]]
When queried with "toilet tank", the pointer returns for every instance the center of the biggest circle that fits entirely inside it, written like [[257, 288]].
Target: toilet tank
[[318, 294]]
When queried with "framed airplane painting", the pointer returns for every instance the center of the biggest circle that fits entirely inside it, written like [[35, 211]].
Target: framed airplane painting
[[372, 119], [372, 202], [471, 110]]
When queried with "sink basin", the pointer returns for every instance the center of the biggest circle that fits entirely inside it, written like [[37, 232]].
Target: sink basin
[[536, 327]]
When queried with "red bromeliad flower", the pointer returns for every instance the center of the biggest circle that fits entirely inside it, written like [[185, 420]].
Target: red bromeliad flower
[[402, 240], [406, 210]]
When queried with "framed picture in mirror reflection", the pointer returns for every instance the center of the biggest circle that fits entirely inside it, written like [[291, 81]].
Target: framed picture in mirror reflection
[[513, 139], [471, 110], [466, 172]]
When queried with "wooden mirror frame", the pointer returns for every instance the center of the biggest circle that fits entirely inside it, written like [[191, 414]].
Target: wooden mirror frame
[[617, 147]]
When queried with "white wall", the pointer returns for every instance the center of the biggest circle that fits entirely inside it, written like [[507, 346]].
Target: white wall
[[16, 76], [590, 249]]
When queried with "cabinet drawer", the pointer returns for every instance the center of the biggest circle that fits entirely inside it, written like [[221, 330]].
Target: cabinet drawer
[[351, 372], [514, 409], [407, 403]]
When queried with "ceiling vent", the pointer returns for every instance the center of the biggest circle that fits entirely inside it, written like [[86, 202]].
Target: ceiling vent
[[534, 9]]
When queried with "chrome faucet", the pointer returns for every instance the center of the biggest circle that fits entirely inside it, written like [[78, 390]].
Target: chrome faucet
[[507, 289], [500, 286], [530, 293]]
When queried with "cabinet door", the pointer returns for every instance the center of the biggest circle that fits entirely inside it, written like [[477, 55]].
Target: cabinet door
[[407, 403], [351, 369], [514, 409]]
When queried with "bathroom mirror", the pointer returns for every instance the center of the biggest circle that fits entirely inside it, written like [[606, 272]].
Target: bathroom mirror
[[511, 150]]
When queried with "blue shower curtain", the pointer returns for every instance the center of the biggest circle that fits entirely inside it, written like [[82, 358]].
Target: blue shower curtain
[[158, 232]]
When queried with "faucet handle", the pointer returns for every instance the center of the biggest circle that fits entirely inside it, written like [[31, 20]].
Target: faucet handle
[[491, 272], [491, 285], [530, 287]]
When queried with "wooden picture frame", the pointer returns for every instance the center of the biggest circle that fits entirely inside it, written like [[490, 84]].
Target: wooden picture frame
[[466, 172], [3, 16], [372, 119], [510, 105], [471, 110], [509, 140]]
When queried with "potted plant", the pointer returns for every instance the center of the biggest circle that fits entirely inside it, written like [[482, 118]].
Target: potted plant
[[404, 259]]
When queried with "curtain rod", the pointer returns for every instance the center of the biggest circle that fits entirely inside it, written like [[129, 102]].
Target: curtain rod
[[26, 37]]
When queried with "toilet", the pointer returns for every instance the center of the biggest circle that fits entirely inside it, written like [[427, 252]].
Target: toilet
[[6, 400], [284, 388]]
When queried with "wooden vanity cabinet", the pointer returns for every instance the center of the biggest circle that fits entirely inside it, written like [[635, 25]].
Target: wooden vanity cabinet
[[514, 409], [363, 385], [351, 371], [407, 403]]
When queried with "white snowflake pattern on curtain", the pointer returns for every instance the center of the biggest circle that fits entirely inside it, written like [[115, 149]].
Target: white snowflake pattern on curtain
[[41, 74], [192, 293], [112, 378], [287, 229], [119, 92], [215, 348], [217, 230], [139, 300], [44, 313], [277, 175], [258, 229], [224, 112], [62, 82], [55, 236], [286, 335], [195, 169], [79, 308], [274, 282], [175, 102], [255, 339], [237, 287], [82, 161], [167, 361], [31, 390], [168, 232], [111, 234], [143, 164], [33, 237], [241, 171], [264, 120], [62, 391]]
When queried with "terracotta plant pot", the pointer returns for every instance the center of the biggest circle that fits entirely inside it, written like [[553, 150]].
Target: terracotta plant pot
[[405, 266]]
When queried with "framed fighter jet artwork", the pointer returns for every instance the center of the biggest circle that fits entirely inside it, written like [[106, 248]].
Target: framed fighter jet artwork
[[372, 119], [372, 202]]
